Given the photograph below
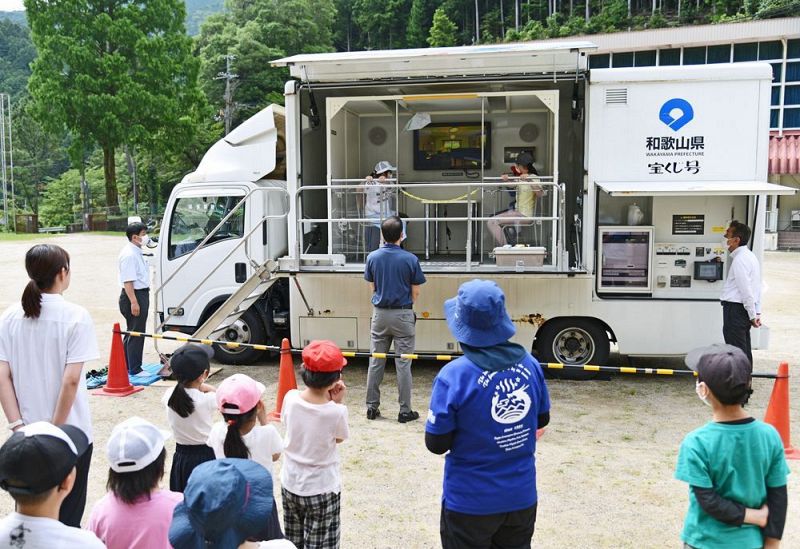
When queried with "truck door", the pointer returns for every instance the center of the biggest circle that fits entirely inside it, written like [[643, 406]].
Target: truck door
[[192, 285]]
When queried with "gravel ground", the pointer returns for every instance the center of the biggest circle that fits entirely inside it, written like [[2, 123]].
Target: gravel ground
[[605, 464]]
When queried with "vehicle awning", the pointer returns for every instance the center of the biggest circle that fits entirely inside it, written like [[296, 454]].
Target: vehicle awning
[[784, 153], [683, 188], [521, 58]]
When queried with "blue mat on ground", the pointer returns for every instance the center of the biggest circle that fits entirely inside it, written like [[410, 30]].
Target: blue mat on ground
[[147, 376]]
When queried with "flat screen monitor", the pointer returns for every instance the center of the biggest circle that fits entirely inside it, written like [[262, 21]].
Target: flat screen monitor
[[625, 259], [708, 270], [452, 146]]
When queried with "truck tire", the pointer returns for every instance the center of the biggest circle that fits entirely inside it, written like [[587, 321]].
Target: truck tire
[[572, 341], [249, 328]]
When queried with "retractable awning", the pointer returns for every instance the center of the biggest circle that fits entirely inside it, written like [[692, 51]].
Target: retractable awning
[[700, 188], [522, 58]]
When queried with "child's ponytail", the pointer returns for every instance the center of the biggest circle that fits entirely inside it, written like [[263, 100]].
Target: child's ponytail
[[234, 446], [180, 401]]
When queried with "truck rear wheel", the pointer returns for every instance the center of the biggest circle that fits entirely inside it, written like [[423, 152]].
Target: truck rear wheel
[[249, 328], [575, 341]]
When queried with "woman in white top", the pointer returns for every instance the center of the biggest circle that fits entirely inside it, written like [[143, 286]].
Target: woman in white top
[[191, 406], [379, 202], [239, 400], [526, 195], [44, 342]]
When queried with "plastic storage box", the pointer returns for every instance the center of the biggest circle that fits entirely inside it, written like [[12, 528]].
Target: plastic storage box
[[520, 256]]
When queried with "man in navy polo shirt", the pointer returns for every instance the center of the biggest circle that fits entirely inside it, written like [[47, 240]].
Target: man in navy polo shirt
[[485, 409], [394, 276]]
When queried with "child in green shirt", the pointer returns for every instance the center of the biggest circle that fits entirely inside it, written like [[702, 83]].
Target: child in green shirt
[[734, 465]]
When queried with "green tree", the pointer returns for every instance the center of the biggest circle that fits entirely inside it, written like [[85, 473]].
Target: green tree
[[16, 54], [443, 30], [113, 72], [383, 22], [256, 32], [419, 22], [62, 200]]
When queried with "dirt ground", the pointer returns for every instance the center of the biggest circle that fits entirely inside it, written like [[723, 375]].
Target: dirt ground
[[605, 465]]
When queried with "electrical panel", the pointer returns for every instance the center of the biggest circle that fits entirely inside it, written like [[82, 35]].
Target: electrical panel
[[688, 270]]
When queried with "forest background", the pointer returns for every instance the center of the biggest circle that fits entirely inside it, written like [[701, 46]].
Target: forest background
[[107, 92]]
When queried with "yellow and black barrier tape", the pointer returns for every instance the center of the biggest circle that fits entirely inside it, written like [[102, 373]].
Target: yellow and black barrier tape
[[437, 357]]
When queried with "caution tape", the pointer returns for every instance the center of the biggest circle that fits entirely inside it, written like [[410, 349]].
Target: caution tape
[[438, 201], [440, 358]]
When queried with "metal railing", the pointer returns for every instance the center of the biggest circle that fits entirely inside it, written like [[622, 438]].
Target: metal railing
[[475, 193]]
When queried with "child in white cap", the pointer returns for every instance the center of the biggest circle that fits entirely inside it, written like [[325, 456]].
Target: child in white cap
[[135, 513]]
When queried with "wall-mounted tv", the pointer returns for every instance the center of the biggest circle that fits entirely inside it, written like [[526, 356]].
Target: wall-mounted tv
[[452, 146]]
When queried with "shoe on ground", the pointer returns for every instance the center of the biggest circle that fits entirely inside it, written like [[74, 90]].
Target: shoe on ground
[[405, 417], [373, 413]]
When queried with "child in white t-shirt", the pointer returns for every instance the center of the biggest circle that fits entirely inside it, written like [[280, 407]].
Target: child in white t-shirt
[[246, 433], [316, 421], [191, 406]]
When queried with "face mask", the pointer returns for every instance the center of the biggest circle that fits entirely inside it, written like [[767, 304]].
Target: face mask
[[700, 395], [145, 240]]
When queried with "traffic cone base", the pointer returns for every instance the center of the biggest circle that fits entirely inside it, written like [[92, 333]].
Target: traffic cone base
[[777, 413], [286, 380], [118, 383]]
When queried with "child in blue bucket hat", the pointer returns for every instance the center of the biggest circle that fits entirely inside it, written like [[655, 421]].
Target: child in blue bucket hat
[[226, 502], [485, 409]]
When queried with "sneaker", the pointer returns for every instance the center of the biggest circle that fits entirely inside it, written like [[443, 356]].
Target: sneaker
[[373, 413], [405, 417]]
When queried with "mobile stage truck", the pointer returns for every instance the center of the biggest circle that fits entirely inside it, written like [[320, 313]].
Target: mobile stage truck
[[639, 172]]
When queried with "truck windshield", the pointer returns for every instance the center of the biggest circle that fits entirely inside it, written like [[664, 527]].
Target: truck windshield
[[195, 217]]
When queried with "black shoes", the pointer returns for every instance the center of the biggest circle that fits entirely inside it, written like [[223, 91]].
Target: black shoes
[[373, 413], [405, 417]]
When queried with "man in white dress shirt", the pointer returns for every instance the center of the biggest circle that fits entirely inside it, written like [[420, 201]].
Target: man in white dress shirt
[[134, 301], [741, 295]]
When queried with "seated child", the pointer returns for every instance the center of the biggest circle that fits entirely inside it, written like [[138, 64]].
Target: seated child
[[239, 400], [316, 421], [734, 465], [37, 468], [135, 513], [191, 406]]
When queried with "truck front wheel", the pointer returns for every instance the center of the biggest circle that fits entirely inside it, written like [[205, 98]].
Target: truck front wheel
[[574, 341], [249, 328]]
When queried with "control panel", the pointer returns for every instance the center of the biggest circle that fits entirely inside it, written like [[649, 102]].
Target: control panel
[[688, 270]]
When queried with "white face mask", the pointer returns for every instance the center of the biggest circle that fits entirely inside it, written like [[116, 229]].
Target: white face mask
[[145, 240], [700, 395]]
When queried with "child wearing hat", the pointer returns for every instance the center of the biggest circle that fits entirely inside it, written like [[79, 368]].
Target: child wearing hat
[[136, 457], [37, 468], [485, 409], [191, 406], [315, 421], [245, 432], [735, 465], [224, 505]]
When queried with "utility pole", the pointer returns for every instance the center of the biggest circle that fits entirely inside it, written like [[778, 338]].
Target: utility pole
[[6, 158], [230, 86]]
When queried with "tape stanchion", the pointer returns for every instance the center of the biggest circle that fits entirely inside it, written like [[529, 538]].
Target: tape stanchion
[[436, 357]]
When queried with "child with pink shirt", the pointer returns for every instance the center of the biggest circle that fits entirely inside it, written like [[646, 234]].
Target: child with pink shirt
[[135, 513], [316, 422]]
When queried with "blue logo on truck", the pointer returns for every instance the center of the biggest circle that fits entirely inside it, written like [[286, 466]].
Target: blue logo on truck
[[686, 116]]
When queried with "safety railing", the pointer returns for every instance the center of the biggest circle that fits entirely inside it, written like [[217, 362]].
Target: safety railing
[[159, 290], [471, 193]]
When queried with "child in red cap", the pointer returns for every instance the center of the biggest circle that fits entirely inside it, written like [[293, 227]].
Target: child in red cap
[[315, 421]]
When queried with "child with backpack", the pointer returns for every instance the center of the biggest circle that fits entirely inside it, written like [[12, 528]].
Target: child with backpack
[[245, 432], [316, 422], [191, 406]]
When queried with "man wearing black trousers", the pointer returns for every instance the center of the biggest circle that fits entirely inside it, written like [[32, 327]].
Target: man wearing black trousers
[[741, 295], [134, 300]]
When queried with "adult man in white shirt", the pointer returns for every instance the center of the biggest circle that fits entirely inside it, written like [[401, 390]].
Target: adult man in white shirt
[[741, 295], [134, 301]]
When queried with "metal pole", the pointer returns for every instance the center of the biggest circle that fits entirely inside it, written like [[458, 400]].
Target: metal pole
[[3, 157]]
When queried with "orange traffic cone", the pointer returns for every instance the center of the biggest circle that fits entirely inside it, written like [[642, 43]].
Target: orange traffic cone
[[118, 383], [778, 410], [286, 379]]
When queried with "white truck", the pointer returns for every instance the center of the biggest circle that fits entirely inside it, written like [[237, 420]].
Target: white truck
[[641, 171]]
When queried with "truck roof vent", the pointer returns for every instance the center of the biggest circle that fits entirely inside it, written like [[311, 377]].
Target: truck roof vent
[[616, 96]]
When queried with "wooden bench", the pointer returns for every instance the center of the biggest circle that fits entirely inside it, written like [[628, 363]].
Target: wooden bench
[[52, 229]]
